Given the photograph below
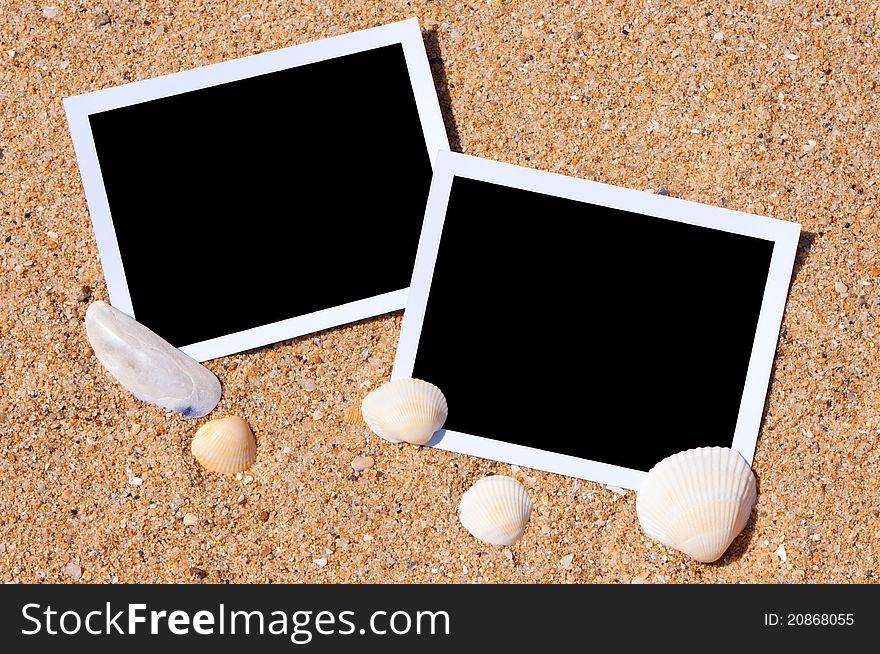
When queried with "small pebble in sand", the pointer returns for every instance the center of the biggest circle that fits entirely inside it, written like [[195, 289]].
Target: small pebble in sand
[[791, 56], [73, 571], [781, 553], [50, 12], [134, 430], [361, 463], [565, 561], [318, 415], [263, 516], [247, 479], [508, 555], [199, 573], [841, 288], [101, 20], [309, 384], [718, 36], [53, 236], [320, 562], [83, 294], [135, 481], [190, 520]]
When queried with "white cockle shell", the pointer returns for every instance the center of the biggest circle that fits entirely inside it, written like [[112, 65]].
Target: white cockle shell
[[225, 445], [697, 501], [496, 510], [408, 410], [149, 366]]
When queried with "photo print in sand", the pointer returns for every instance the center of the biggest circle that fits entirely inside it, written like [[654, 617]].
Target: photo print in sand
[[264, 198], [590, 330]]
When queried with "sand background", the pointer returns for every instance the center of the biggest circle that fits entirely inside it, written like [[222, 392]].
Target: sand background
[[765, 107]]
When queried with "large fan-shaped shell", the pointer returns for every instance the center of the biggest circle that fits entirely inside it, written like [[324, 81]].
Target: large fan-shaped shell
[[697, 501], [408, 410], [496, 510], [226, 445]]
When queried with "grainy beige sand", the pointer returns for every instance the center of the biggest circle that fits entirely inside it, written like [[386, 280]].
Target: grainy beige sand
[[766, 107]]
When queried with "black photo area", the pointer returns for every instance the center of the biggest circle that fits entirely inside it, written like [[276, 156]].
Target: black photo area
[[588, 331], [267, 198]]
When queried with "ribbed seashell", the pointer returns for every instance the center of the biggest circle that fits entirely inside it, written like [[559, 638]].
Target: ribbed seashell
[[352, 415], [408, 410], [496, 510], [697, 501], [226, 445], [149, 366]]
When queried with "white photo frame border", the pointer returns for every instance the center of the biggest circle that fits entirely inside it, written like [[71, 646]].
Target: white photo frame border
[[78, 109], [784, 235]]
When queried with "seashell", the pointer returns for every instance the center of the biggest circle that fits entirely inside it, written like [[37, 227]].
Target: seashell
[[149, 366], [226, 445], [352, 415], [495, 510], [697, 501], [408, 410]]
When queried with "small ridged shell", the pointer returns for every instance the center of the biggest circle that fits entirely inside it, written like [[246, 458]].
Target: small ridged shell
[[408, 410], [496, 510], [697, 501], [352, 415], [226, 445]]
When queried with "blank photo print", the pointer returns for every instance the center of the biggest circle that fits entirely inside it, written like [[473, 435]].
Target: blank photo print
[[591, 330], [263, 198]]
